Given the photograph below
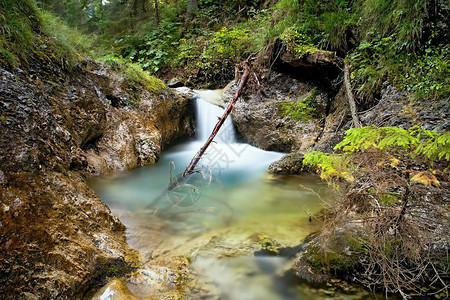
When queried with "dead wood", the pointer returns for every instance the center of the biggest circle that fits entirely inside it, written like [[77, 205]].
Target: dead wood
[[350, 98], [190, 168]]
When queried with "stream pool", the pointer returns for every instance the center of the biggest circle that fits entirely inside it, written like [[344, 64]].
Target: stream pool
[[220, 233]]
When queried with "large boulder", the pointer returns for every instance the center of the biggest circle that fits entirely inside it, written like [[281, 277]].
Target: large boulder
[[275, 119]]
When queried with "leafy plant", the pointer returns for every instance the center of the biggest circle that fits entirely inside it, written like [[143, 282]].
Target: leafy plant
[[390, 141], [154, 50], [331, 166], [429, 74], [382, 59], [371, 65], [428, 144], [229, 44]]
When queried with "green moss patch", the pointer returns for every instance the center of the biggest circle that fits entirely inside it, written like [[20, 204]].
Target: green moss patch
[[137, 78], [301, 110]]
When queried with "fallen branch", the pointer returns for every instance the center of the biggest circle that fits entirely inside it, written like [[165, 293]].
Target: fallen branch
[[178, 184], [190, 168]]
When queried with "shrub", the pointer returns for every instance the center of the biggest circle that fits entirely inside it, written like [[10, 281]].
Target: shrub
[[386, 175], [230, 44]]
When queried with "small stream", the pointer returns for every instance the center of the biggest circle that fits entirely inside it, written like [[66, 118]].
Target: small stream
[[220, 233]]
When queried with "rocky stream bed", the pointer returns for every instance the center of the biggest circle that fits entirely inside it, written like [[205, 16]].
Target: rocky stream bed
[[58, 128]]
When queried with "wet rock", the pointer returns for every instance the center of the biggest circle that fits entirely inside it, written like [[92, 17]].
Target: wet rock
[[146, 283], [49, 228], [147, 148], [396, 108], [337, 252], [2, 178], [431, 203], [185, 92], [120, 135], [175, 83], [58, 238], [268, 121], [116, 289], [337, 117], [314, 58], [138, 133], [291, 163]]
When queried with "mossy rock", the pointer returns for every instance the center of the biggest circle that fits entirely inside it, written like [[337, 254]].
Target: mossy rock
[[338, 254], [302, 109], [291, 163]]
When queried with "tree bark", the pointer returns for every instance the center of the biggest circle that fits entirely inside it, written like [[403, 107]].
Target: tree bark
[[351, 99], [196, 158], [135, 8], [192, 7], [156, 13]]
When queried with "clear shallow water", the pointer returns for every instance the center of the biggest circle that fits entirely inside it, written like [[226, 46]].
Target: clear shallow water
[[219, 218], [240, 193]]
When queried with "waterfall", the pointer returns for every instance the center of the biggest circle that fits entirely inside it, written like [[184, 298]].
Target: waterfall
[[208, 114], [226, 155]]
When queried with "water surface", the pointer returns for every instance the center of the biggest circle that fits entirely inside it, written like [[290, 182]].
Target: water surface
[[230, 219]]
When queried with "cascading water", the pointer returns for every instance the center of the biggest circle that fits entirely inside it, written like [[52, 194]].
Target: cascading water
[[207, 113], [226, 157], [224, 222]]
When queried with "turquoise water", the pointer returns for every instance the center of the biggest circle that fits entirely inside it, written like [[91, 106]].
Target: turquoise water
[[233, 207], [225, 219], [234, 191]]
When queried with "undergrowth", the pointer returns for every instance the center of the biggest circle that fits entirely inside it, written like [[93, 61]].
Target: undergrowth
[[20, 23], [27, 31], [383, 175], [135, 75]]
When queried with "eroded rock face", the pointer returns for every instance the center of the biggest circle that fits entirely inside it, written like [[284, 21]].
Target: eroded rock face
[[396, 108], [57, 237], [137, 133], [393, 109], [266, 121]]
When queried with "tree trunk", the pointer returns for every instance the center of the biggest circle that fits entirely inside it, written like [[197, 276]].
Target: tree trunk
[[351, 100], [156, 13], [145, 6], [192, 7], [135, 8]]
